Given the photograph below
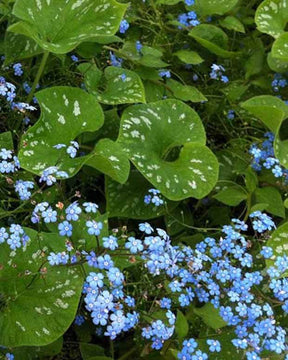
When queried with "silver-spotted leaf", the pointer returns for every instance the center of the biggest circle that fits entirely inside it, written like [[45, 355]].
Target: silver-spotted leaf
[[271, 17], [177, 163], [280, 48], [59, 26], [279, 243], [122, 87], [39, 302], [66, 112]]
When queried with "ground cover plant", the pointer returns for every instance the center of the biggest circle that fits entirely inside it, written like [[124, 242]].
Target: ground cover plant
[[143, 179]]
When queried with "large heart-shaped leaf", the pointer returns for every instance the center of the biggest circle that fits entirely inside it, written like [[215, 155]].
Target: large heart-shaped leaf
[[271, 17], [177, 163], [281, 143], [267, 108], [66, 112], [59, 26], [276, 64], [127, 200], [122, 86], [38, 302], [210, 7], [213, 39]]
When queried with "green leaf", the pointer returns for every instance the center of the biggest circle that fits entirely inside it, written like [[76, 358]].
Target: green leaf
[[178, 163], [189, 57], [286, 203], [168, 2], [59, 27], [211, 7], [118, 90], [210, 316], [277, 65], [251, 180], [90, 350], [231, 196], [228, 350], [181, 325], [19, 47], [272, 197], [256, 58], [232, 23], [267, 108], [271, 17], [213, 39], [149, 56], [6, 140], [278, 242], [185, 92], [281, 144], [109, 158], [127, 200], [92, 75], [39, 352], [40, 301], [279, 48]]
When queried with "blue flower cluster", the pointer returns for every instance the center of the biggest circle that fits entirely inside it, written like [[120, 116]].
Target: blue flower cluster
[[219, 272], [217, 72], [8, 162], [263, 156], [278, 82], [18, 69], [49, 175], [8, 91], [231, 115], [153, 197], [23, 189], [188, 19], [15, 237], [71, 149], [114, 60], [124, 26]]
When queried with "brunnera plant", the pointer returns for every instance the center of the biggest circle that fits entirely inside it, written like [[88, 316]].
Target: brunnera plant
[[143, 179]]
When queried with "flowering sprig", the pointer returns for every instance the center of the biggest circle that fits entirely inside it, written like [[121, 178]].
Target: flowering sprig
[[263, 157]]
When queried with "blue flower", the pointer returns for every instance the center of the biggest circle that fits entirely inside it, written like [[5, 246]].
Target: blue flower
[[94, 227], [214, 345], [110, 242], [145, 227], [165, 303], [90, 207], [134, 245], [115, 276], [73, 211], [49, 215], [165, 73], [95, 280], [65, 228]]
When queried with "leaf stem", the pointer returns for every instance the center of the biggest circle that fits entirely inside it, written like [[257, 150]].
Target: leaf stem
[[38, 76]]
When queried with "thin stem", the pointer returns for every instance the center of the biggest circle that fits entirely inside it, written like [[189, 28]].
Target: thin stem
[[38, 76]]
